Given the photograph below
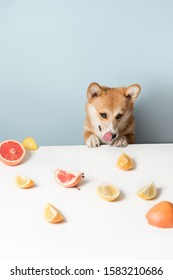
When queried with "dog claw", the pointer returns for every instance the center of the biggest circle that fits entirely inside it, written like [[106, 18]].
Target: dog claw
[[93, 142], [120, 142]]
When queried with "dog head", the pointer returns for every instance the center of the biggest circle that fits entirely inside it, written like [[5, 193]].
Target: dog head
[[109, 110]]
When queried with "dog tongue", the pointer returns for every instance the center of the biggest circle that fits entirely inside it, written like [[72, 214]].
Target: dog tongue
[[107, 136]]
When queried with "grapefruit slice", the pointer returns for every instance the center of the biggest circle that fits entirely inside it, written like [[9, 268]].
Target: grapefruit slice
[[52, 214], [161, 215], [68, 179], [11, 152], [108, 192]]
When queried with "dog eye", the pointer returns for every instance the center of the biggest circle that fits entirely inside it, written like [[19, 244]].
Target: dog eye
[[103, 115], [118, 116]]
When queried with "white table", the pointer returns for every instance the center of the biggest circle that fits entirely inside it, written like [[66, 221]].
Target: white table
[[94, 228]]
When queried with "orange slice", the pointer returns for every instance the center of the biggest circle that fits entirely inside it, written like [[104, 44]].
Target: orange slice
[[147, 192], [108, 192], [125, 162], [24, 182], [52, 214]]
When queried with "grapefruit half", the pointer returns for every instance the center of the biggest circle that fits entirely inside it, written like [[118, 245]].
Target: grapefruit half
[[11, 152], [68, 179], [161, 215]]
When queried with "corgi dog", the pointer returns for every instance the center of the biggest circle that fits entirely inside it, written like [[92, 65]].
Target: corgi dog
[[109, 115]]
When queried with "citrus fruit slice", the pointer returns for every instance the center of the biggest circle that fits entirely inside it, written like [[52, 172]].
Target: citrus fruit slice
[[147, 192], [11, 152], [108, 192], [52, 215], [125, 162], [29, 144], [161, 215], [24, 182], [68, 179]]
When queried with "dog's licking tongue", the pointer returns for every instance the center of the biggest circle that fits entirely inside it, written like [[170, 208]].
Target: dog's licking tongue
[[107, 137]]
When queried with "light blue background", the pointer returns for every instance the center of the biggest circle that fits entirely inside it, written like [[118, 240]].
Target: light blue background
[[51, 50]]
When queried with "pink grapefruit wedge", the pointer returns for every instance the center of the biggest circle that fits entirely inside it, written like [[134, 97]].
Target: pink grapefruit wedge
[[68, 179], [11, 152]]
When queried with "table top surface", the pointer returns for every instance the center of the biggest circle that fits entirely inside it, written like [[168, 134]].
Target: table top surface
[[93, 228]]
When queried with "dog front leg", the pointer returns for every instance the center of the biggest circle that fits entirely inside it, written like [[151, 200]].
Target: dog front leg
[[91, 140], [120, 141], [130, 138], [123, 141]]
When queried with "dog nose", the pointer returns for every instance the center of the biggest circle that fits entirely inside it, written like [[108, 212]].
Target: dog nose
[[114, 135]]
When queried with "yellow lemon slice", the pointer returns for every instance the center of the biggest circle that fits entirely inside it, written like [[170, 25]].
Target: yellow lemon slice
[[29, 144], [52, 215], [24, 182], [125, 162], [108, 192], [147, 192]]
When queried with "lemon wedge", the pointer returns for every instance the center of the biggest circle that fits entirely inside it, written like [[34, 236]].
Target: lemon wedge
[[29, 144], [147, 192], [52, 214], [108, 192], [24, 182], [125, 162]]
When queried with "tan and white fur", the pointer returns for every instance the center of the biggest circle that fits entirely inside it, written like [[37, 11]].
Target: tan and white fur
[[110, 110]]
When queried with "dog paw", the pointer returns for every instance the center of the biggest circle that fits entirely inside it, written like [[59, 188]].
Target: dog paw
[[121, 141], [93, 141]]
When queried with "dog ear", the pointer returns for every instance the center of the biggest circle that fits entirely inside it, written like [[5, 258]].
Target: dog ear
[[132, 92], [94, 90]]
